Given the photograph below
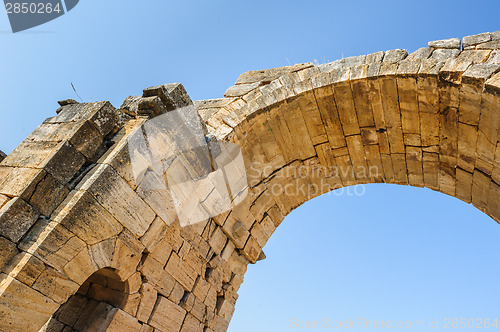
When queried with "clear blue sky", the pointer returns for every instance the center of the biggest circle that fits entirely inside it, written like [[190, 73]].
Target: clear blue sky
[[395, 253]]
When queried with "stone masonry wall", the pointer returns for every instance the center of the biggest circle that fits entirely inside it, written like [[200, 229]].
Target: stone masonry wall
[[84, 247]]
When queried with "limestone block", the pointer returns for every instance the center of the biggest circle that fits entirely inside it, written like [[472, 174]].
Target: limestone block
[[116, 196], [127, 254], [80, 267], [86, 218], [269, 74], [485, 152], [442, 55], [400, 168], [55, 285], [476, 39], [387, 168], [87, 139], [199, 310], [122, 321], [8, 250], [220, 324], [153, 191], [192, 324], [430, 67], [467, 139], [489, 122], [100, 317], [70, 312], [68, 113], [493, 206], [86, 315], [148, 299], [301, 139], [463, 185], [19, 181], [146, 328], [492, 45], [153, 271], [414, 165], [218, 240], [201, 289], [118, 154], [31, 154], [374, 57], [23, 308], [480, 190], [308, 73], [48, 194], [52, 243], [64, 163], [102, 114], [312, 117], [102, 253], [422, 53], [477, 74], [492, 85], [494, 57], [394, 56], [252, 250], [3, 200], [154, 234], [412, 139], [236, 231], [24, 267], [167, 316], [182, 272], [16, 218], [408, 103], [358, 156], [177, 293], [409, 67], [346, 108], [445, 43], [240, 90], [258, 233]]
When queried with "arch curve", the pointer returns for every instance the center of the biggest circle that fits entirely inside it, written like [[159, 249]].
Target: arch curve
[[71, 205]]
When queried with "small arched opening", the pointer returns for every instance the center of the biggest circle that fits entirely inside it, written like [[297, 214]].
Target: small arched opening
[[93, 306]]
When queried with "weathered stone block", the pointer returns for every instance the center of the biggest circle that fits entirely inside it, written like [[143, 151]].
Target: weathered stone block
[[182, 272], [23, 308], [122, 321], [240, 90], [16, 217], [167, 316], [25, 267], [19, 181], [86, 218], [116, 196], [87, 139], [55, 285], [477, 74], [80, 267], [8, 250], [445, 43], [127, 254]]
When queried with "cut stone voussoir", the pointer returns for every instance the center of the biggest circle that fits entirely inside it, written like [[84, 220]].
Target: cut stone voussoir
[[96, 234]]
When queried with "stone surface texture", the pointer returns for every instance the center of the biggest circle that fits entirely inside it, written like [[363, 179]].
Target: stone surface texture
[[83, 247]]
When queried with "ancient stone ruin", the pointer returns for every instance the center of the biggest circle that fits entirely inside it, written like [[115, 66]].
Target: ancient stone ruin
[[86, 245]]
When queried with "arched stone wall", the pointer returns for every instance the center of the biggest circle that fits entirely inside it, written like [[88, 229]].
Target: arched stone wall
[[70, 204]]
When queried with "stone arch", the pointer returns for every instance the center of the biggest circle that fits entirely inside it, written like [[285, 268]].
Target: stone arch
[[70, 204], [101, 297]]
